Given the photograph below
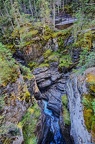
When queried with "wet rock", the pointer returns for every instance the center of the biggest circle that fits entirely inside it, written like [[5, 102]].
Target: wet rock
[[45, 84], [55, 107], [51, 84], [61, 87], [48, 131]]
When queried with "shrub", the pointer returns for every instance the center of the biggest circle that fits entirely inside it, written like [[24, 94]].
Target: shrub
[[8, 67]]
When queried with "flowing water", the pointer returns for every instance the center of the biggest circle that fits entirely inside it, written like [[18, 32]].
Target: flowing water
[[53, 123]]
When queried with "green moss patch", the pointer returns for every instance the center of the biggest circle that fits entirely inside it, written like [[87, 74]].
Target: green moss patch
[[66, 113], [89, 112], [28, 124]]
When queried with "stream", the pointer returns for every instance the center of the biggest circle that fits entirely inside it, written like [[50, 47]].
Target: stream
[[57, 137]]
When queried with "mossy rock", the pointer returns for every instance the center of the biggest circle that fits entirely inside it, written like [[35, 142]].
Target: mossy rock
[[88, 113], [91, 82], [66, 116], [28, 124], [65, 100], [26, 72], [66, 113], [47, 53], [44, 65], [32, 64]]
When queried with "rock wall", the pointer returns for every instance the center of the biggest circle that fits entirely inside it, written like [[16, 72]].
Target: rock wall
[[16, 99], [76, 87], [52, 87]]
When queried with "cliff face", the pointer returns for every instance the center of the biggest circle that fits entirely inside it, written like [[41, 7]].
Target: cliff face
[[56, 93], [81, 96], [15, 99]]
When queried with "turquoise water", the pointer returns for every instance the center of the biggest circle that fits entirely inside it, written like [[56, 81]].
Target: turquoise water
[[54, 126]]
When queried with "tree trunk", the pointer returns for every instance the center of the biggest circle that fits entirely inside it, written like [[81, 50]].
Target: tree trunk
[[54, 13]]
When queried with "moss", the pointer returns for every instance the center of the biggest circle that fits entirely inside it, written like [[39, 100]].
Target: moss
[[2, 102], [53, 57], [26, 72], [84, 40], [27, 95], [93, 125], [56, 34], [44, 65], [30, 34], [32, 65], [28, 124], [91, 82], [90, 78], [46, 37], [65, 61], [88, 39], [11, 47], [47, 53], [89, 111], [66, 113], [64, 100]]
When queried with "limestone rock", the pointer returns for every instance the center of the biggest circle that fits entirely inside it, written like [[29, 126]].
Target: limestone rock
[[78, 128]]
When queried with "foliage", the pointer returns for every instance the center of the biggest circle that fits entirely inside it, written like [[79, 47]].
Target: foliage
[[8, 67], [2, 103], [26, 72], [65, 61], [93, 105], [65, 100], [28, 124], [87, 59], [44, 65], [32, 64], [66, 114], [89, 111], [47, 53]]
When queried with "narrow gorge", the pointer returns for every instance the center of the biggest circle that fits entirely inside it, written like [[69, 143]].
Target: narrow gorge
[[47, 72]]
